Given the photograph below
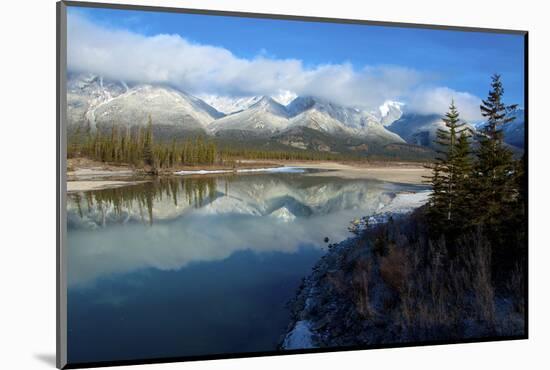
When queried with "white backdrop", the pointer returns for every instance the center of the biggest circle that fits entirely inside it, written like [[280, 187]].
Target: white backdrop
[[27, 165]]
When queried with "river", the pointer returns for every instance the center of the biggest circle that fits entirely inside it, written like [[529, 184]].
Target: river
[[202, 265]]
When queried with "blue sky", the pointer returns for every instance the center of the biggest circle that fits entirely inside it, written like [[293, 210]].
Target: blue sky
[[454, 60]]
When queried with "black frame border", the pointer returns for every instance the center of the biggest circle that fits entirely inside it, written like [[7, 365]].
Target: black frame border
[[61, 339]]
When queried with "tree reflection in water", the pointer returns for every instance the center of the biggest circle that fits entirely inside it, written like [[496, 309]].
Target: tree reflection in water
[[197, 191]]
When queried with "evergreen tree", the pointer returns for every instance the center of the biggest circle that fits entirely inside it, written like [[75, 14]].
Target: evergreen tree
[[173, 154], [113, 144], [147, 152], [494, 169], [450, 171], [436, 202], [463, 164]]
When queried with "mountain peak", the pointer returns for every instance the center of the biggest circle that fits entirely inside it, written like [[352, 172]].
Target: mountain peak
[[95, 100], [390, 111], [264, 99], [300, 104], [268, 104], [265, 116]]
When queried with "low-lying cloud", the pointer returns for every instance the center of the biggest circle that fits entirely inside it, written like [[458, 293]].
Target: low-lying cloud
[[204, 69], [438, 99]]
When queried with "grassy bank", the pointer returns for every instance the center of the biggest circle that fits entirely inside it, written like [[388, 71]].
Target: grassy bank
[[393, 283]]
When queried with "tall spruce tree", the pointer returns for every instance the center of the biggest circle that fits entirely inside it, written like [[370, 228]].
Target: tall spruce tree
[[450, 172], [494, 168], [173, 154], [463, 163], [148, 155]]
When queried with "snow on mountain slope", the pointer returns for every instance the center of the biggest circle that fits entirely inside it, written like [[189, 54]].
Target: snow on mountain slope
[[419, 129], [314, 119], [101, 103], [350, 117], [266, 116], [514, 131], [390, 112], [229, 105], [85, 92], [94, 100], [167, 107], [284, 97], [329, 117]]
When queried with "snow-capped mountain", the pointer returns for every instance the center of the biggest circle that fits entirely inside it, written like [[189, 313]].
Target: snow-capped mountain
[[350, 117], [306, 122], [417, 129], [167, 106], [264, 117], [420, 129], [390, 112], [284, 97], [332, 118], [229, 105], [101, 103], [514, 131], [267, 117], [86, 92]]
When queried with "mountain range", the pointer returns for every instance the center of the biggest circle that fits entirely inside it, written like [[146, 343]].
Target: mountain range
[[306, 122], [514, 131]]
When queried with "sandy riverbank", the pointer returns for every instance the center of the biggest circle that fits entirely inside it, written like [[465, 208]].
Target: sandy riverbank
[[85, 175], [406, 173], [88, 185]]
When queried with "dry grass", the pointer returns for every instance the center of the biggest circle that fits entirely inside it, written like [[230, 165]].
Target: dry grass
[[516, 286], [360, 292], [395, 268], [404, 286], [446, 290], [437, 288]]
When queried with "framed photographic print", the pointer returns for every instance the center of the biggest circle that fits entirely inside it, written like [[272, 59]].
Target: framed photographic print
[[235, 184]]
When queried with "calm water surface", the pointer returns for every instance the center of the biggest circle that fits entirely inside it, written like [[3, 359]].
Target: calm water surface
[[196, 266]]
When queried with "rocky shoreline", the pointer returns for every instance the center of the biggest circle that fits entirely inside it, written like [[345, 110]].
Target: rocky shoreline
[[318, 301], [318, 298], [351, 299]]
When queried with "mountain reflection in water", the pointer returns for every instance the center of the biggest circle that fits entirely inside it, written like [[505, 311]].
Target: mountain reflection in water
[[189, 266], [170, 222]]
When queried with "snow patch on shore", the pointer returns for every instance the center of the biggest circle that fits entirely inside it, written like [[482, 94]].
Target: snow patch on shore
[[299, 337], [402, 203], [244, 170], [405, 202], [201, 172]]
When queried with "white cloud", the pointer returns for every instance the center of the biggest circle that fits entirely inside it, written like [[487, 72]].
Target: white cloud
[[205, 69], [437, 100]]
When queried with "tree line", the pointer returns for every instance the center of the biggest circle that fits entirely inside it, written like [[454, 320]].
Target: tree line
[[235, 153], [139, 148]]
